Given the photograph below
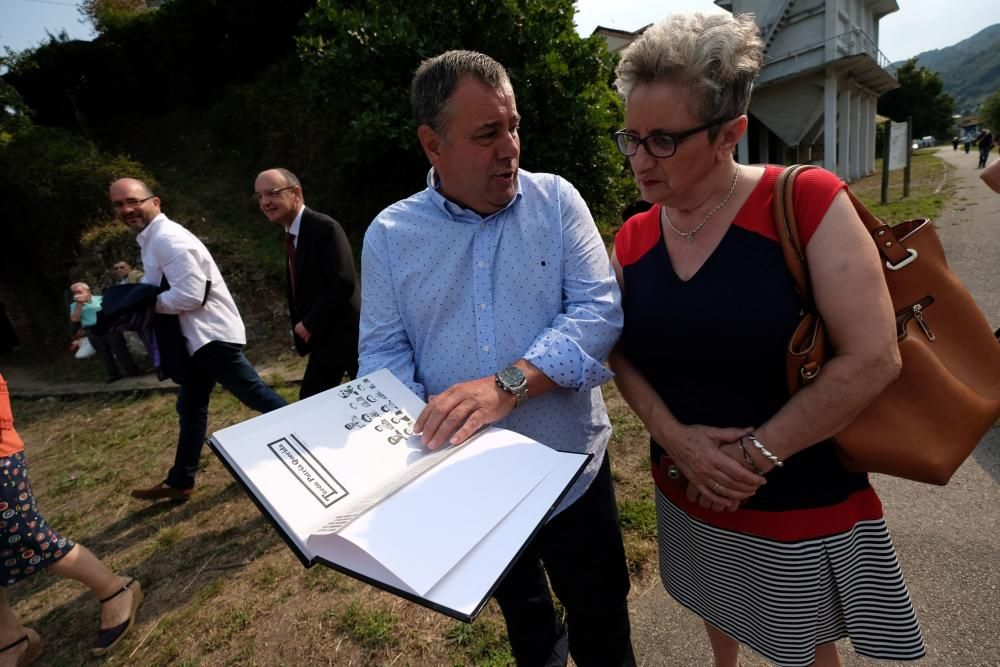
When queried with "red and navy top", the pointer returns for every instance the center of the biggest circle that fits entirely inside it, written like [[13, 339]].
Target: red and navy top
[[713, 348]]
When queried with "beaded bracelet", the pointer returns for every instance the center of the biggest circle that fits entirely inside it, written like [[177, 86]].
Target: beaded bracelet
[[763, 450], [749, 459]]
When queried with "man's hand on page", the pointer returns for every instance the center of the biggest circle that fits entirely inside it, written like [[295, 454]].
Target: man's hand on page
[[462, 410]]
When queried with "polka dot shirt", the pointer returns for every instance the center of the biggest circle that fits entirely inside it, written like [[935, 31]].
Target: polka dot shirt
[[450, 296]]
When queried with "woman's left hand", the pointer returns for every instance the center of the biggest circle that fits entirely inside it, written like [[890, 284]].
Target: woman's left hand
[[733, 500]]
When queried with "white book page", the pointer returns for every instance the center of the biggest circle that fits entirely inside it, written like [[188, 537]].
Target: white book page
[[421, 532], [310, 460], [464, 588]]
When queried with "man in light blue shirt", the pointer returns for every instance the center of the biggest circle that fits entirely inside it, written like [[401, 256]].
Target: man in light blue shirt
[[490, 293]]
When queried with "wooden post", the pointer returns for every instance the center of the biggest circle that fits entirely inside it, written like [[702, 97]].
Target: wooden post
[[909, 155], [886, 143]]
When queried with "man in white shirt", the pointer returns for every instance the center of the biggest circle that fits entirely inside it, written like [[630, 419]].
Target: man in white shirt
[[213, 332]]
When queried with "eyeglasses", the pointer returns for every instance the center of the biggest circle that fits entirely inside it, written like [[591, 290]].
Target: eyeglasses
[[657, 144], [270, 194], [131, 203]]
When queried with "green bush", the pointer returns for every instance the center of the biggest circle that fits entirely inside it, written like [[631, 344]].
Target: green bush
[[53, 187]]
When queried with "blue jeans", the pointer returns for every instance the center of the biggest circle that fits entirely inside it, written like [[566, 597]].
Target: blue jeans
[[215, 362]]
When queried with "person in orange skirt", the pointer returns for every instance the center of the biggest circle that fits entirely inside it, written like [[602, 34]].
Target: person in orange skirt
[[28, 544]]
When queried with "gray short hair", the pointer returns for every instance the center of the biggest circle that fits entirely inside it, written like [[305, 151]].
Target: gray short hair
[[716, 56], [290, 178], [436, 79]]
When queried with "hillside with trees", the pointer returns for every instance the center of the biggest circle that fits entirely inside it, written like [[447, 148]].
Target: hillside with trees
[[969, 69], [200, 96]]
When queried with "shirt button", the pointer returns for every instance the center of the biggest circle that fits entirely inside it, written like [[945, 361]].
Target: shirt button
[[486, 348], [482, 264], [482, 306]]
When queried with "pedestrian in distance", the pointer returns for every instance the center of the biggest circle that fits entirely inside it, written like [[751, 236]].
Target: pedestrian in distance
[[83, 311], [985, 145], [125, 274]]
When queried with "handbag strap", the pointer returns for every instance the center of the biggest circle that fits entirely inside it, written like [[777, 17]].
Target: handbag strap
[[894, 254], [806, 351], [787, 231]]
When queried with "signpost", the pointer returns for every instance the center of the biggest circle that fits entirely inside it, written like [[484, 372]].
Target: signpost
[[896, 155]]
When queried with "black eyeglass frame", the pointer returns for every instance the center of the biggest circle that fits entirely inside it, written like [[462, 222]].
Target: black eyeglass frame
[[131, 203], [675, 137], [270, 194]]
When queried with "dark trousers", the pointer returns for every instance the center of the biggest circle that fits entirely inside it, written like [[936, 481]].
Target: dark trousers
[[110, 346], [581, 550], [216, 362], [322, 374], [984, 154]]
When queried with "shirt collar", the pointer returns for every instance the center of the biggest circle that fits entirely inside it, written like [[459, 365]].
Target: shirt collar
[[458, 212], [144, 234], [293, 228]]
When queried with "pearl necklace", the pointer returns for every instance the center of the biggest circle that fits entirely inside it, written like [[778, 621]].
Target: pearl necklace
[[690, 235]]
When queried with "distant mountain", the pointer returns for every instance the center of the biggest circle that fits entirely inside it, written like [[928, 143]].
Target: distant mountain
[[970, 69]]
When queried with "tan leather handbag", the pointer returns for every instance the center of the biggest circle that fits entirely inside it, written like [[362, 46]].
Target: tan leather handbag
[[927, 422]]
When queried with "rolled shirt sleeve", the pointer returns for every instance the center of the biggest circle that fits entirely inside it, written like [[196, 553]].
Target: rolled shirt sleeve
[[572, 350]]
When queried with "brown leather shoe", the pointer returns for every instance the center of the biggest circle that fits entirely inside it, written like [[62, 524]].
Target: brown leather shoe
[[162, 492]]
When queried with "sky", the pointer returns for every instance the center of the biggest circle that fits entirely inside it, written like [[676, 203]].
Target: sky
[[919, 25]]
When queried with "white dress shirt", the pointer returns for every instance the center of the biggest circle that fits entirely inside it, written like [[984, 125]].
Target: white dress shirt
[[170, 250]]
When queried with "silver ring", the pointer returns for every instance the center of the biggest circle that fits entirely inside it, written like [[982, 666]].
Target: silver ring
[[716, 487]]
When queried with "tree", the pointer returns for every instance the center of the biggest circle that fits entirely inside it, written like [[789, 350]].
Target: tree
[[989, 113], [359, 56], [920, 96], [107, 15]]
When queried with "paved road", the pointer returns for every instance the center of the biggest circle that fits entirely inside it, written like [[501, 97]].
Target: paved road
[[948, 539]]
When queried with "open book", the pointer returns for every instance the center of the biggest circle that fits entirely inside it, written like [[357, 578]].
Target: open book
[[347, 484]]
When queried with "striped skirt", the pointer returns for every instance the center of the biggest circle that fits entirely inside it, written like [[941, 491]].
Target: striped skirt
[[782, 599]]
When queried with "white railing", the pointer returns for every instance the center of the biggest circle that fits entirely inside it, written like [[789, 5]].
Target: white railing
[[854, 41]]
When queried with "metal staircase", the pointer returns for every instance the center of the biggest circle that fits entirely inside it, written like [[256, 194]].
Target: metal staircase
[[775, 26]]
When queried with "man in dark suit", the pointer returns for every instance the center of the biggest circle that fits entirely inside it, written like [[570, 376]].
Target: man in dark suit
[[322, 285]]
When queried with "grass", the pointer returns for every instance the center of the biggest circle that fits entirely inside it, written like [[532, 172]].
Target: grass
[[372, 628], [218, 579], [930, 189]]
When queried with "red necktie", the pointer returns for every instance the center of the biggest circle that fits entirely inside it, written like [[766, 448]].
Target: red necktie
[[290, 249]]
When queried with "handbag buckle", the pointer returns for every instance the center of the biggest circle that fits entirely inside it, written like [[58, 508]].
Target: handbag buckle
[[896, 267]]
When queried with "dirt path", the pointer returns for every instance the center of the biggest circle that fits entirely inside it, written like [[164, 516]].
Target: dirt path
[[970, 231]]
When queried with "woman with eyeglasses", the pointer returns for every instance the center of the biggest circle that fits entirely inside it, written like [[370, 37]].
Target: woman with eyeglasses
[[763, 532]]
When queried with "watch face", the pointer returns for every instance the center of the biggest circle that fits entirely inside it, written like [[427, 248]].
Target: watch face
[[512, 376]]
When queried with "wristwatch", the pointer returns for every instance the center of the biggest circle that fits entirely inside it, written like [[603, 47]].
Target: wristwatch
[[512, 381]]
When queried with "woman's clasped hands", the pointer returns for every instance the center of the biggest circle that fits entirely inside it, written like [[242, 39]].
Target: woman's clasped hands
[[710, 459]]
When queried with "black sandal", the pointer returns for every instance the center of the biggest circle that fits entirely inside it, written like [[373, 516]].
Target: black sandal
[[108, 637], [34, 647]]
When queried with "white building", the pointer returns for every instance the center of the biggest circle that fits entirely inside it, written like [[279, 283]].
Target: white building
[[823, 73]]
